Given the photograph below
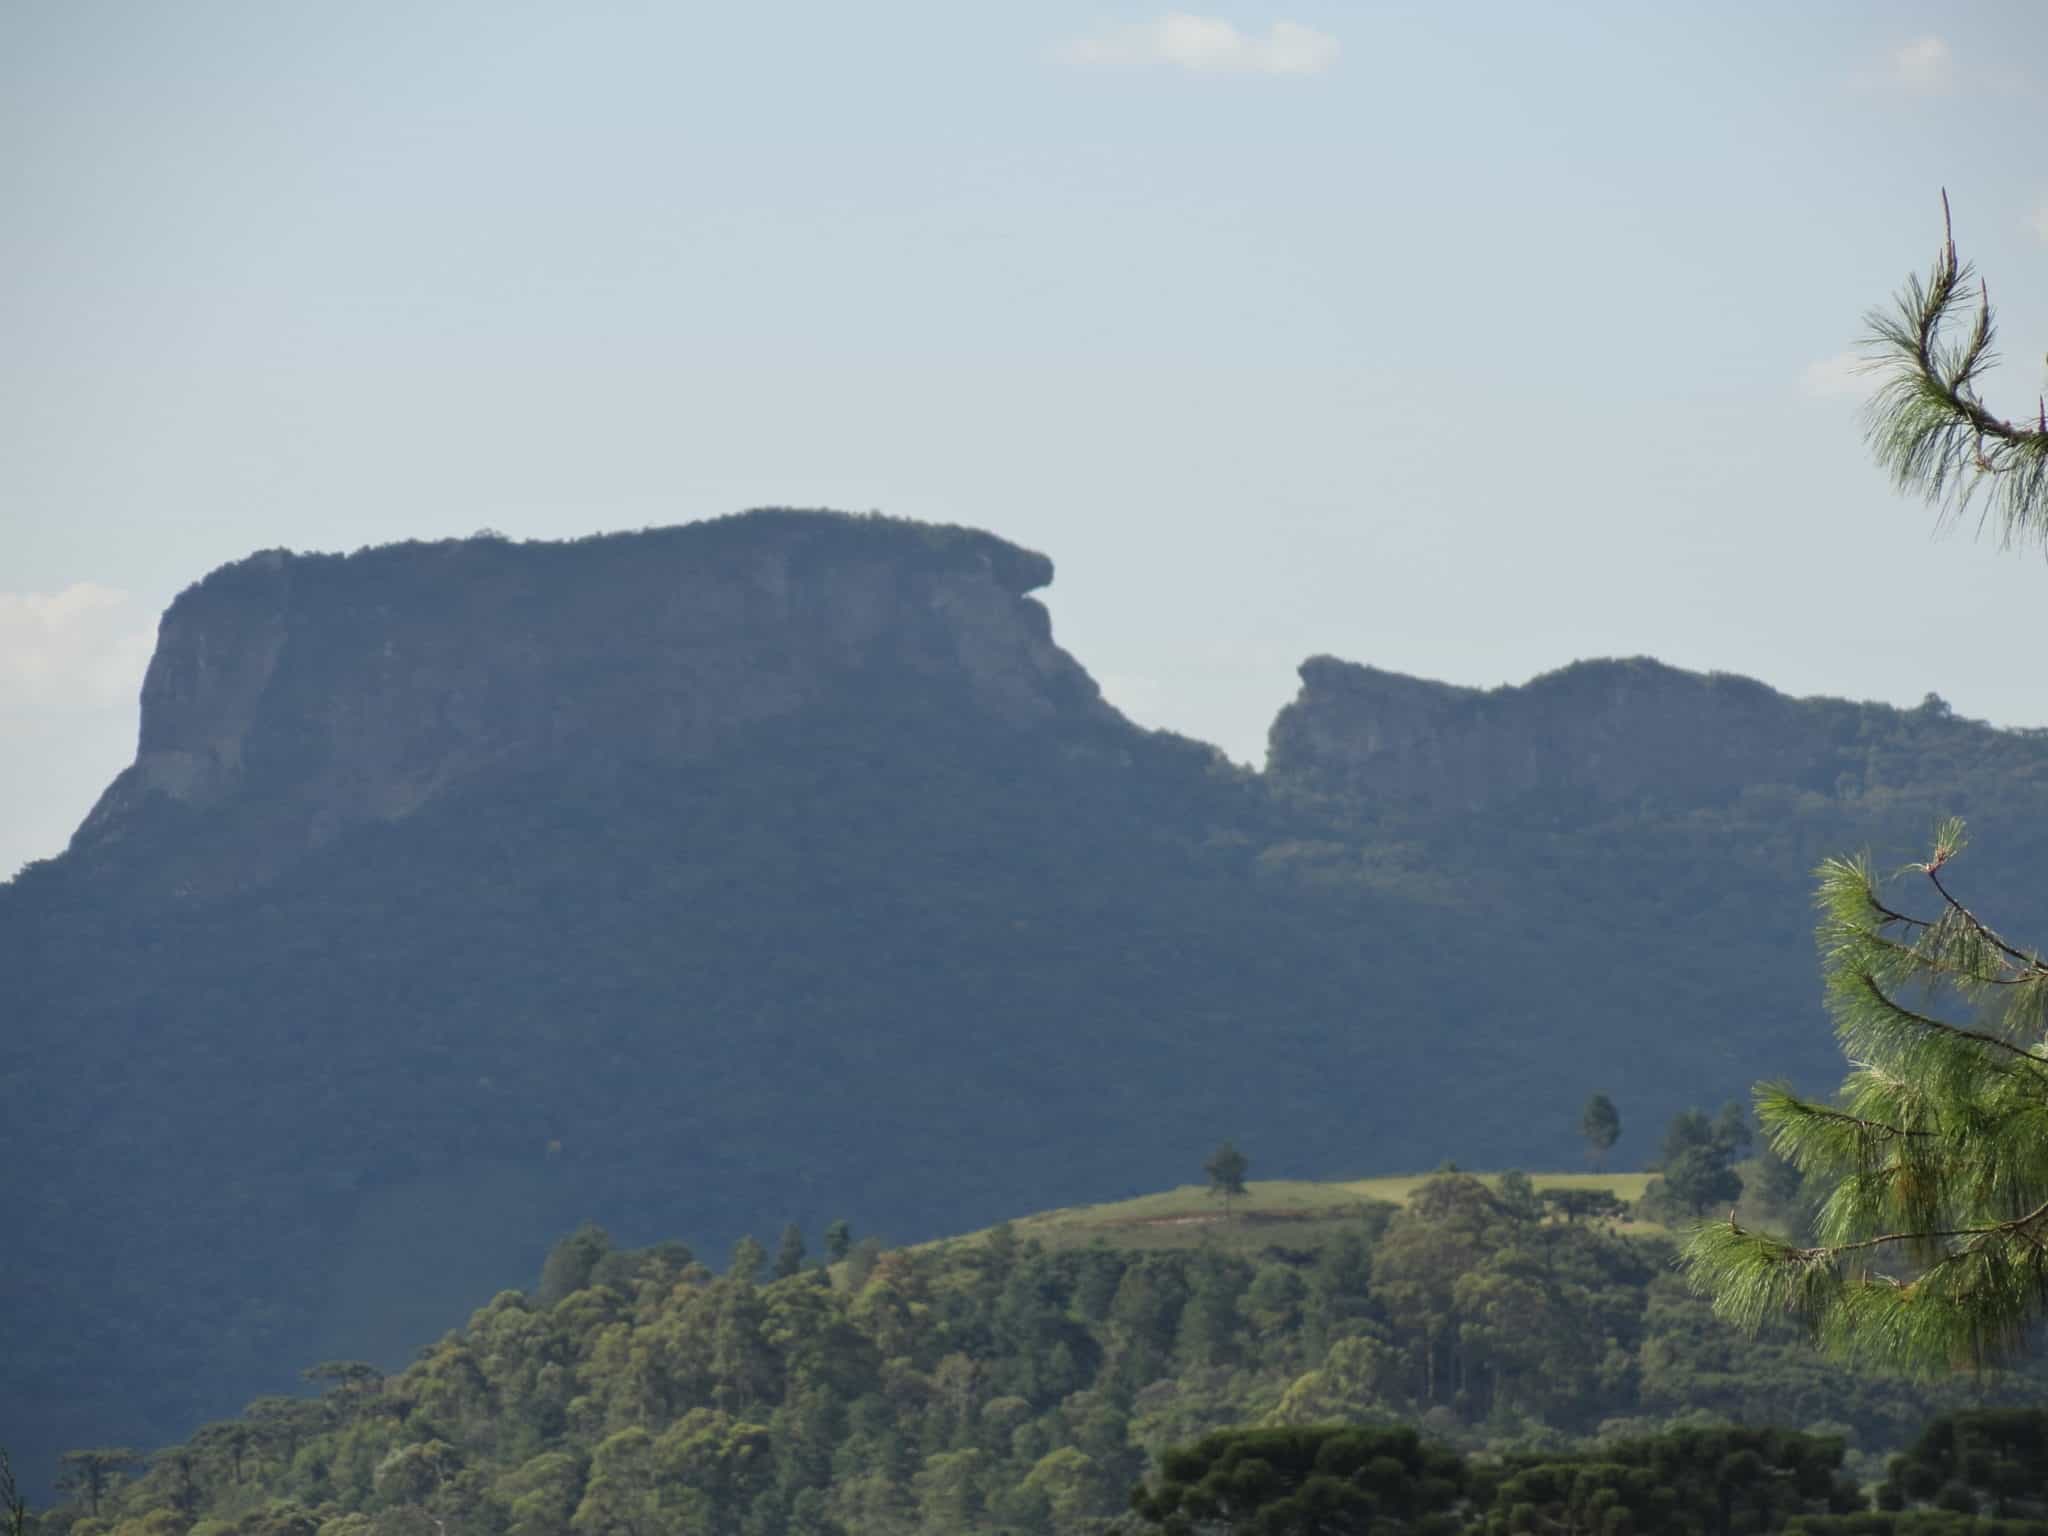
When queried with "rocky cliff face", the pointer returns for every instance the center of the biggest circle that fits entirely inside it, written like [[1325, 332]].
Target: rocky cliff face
[[340, 690], [1619, 731]]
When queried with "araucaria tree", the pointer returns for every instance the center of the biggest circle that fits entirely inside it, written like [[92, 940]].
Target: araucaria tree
[[1226, 1169], [1932, 1247]]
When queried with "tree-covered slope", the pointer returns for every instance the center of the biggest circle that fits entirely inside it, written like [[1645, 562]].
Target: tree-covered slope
[[783, 867], [995, 1386]]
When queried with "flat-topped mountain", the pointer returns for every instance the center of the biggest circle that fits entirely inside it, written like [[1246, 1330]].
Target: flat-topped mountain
[[334, 690], [784, 868], [1619, 731]]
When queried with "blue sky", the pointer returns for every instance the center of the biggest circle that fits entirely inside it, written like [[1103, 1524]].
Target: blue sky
[[1461, 340]]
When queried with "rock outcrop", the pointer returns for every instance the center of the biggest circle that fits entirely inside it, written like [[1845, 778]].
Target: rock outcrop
[[345, 689], [1633, 731]]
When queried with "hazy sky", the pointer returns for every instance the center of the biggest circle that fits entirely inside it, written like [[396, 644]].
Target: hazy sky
[[1465, 340]]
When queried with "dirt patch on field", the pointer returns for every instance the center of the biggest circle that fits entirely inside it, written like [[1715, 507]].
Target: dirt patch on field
[[1241, 1218]]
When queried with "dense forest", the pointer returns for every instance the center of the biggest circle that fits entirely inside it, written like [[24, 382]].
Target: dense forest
[[465, 892], [1004, 1384]]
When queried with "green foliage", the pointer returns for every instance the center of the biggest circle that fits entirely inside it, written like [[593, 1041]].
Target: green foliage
[[997, 1385], [13, 1507], [838, 1241], [95, 1473], [1987, 1461], [1928, 423], [789, 1252], [1698, 1163], [1930, 1246], [1690, 1482], [1226, 1169], [1600, 1125], [1301, 1482]]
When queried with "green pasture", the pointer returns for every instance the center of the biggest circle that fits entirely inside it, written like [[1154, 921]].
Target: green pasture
[[1283, 1212]]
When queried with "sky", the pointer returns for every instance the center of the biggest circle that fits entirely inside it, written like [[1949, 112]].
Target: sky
[[1464, 340]]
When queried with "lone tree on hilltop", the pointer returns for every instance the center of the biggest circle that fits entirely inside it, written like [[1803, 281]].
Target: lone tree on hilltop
[[1226, 1169], [1601, 1126], [1932, 1244]]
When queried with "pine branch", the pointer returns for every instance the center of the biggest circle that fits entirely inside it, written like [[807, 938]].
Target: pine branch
[[1898, 1011], [1928, 423], [2026, 962]]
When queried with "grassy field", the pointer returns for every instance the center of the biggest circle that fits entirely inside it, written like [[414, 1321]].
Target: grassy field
[[1289, 1212]]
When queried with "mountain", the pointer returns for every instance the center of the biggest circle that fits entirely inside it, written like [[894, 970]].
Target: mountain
[[783, 868]]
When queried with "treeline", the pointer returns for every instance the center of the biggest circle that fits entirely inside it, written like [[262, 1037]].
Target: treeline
[[1974, 1474], [986, 1385]]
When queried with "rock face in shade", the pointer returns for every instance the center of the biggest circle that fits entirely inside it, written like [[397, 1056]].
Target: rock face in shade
[[340, 690], [783, 868], [1619, 732]]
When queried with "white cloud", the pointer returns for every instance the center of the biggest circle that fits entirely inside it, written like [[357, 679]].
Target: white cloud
[[1924, 65], [80, 645], [1209, 45], [1845, 376], [71, 665]]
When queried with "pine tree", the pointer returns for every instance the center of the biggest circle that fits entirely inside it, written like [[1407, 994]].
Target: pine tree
[[1932, 1245]]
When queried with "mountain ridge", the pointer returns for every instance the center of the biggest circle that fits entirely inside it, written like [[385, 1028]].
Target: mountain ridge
[[338, 1007]]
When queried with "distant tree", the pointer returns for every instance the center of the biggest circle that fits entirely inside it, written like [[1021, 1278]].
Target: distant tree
[[789, 1252], [1601, 1126], [1696, 1170], [1699, 1179], [283, 1424], [571, 1263], [1690, 1130], [1984, 1461], [345, 1378], [1518, 1198], [1226, 1169], [748, 1257], [13, 1508], [1304, 1482], [838, 1241], [1584, 1204], [1685, 1480], [861, 1260], [228, 1441], [176, 1470], [91, 1473], [1731, 1129]]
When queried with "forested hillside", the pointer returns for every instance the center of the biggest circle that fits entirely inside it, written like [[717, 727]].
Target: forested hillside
[[994, 1385], [784, 868]]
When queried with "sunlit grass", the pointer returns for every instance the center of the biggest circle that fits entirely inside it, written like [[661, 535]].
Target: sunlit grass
[[1292, 1213]]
